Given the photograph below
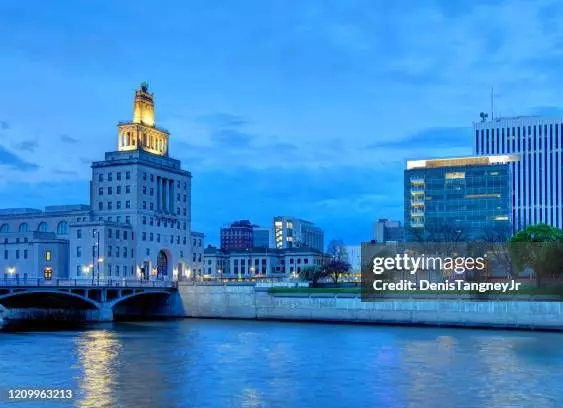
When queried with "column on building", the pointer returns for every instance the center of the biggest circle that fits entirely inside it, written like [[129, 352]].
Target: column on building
[[158, 197], [164, 195], [171, 197]]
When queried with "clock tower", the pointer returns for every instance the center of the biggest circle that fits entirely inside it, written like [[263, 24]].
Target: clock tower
[[141, 132]]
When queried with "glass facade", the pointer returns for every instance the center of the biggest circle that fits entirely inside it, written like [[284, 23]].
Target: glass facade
[[464, 197]]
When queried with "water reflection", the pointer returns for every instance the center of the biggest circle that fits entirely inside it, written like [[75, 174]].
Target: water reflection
[[208, 363], [98, 354]]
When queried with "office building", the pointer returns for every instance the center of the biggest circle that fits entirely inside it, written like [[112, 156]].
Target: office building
[[138, 223], [385, 230], [237, 236], [291, 232], [536, 179], [467, 196], [262, 237]]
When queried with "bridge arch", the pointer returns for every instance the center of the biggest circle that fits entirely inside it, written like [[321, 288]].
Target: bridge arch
[[116, 302], [45, 297]]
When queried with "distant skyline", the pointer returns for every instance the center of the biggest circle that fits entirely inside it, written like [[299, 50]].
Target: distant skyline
[[307, 109]]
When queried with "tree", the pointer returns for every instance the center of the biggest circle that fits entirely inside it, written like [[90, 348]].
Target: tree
[[311, 274], [540, 248], [494, 243], [335, 268], [336, 250]]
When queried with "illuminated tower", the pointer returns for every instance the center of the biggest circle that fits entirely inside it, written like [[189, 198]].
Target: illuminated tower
[[141, 132]]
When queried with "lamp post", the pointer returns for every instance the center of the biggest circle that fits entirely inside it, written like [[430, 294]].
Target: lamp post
[[96, 235]]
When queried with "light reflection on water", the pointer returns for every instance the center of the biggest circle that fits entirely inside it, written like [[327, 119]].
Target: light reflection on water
[[211, 363]]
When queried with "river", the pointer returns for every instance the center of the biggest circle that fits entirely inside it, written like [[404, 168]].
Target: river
[[222, 363]]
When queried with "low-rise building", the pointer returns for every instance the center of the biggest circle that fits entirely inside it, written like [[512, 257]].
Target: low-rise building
[[260, 262], [197, 254], [33, 255]]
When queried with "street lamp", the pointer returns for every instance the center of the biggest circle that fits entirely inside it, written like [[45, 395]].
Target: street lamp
[[100, 260], [95, 235]]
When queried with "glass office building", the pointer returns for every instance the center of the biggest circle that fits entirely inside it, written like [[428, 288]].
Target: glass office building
[[465, 196]]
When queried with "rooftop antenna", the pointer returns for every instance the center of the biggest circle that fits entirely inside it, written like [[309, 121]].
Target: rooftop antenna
[[492, 104]]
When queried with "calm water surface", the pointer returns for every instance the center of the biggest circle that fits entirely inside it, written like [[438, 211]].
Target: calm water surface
[[214, 363]]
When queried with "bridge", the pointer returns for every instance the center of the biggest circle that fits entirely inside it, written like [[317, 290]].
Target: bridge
[[81, 299]]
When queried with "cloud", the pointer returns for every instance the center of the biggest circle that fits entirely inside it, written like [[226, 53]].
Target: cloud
[[231, 138], [65, 172], [221, 120], [4, 125], [28, 145], [68, 139], [11, 160], [454, 137]]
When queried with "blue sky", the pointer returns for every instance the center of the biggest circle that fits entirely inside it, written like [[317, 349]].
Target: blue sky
[[276, 107]]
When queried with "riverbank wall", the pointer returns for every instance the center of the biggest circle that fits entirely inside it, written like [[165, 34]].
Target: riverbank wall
[[250, 302]]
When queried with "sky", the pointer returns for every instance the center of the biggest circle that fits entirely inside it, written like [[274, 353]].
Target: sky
[[307, 109]]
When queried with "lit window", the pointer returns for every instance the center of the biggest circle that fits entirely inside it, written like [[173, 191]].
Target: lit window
[[48, 255]]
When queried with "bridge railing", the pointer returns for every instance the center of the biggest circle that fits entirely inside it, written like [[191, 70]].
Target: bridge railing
[[117, 283]]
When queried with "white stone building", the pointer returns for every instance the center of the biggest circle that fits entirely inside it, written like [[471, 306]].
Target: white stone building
[[138, 223], [260, 262]]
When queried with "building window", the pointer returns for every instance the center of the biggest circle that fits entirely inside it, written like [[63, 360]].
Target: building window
[[152, 177], [151, 221], [144, 219], [148, 252], [109, 176], [127, 175], [125, 235], [109, 205], [117, 234], [42, 227], [118, 205], [118, 174], [127, 189], [110, 190], [144, 189], [152, 206], [5, 254], [48, 254], [110, 232], [144, 236], [117, 252], [144, 205], [100, 191], [127, 219], [17, 254], [24, 227], [118, 190], [145, 176], [79, 233], [100, 205], [157, 237], [151, 192], [151, 237], [125, 252]]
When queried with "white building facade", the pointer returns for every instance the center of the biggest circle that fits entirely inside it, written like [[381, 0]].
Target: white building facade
[[138, 223], [536, 177], [260, 262]]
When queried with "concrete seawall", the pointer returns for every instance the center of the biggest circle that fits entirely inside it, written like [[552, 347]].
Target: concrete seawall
[[248, 302]]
